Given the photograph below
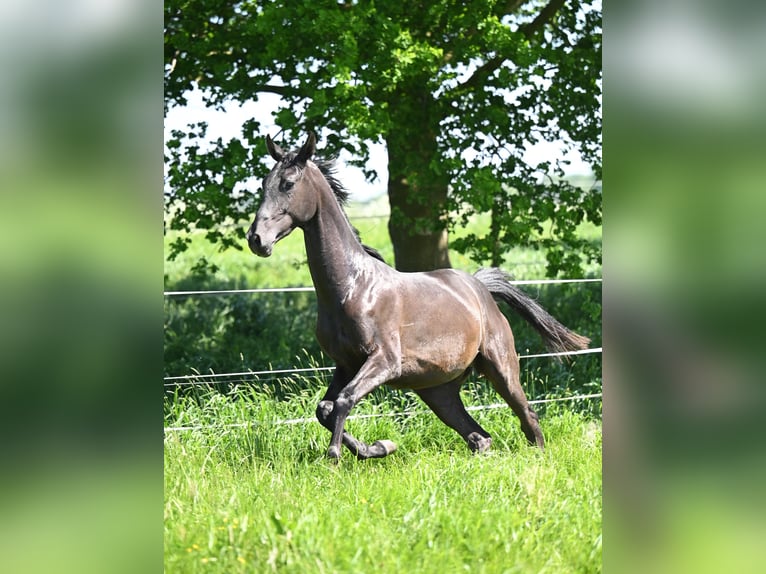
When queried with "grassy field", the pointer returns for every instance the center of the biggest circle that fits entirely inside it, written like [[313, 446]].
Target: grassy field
[[262, 498], [245, 492]]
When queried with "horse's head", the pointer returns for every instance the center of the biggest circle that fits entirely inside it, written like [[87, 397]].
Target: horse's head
[[289, 199]]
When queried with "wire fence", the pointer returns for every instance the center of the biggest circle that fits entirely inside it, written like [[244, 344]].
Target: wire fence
[[311, 289], [182, 380], [307, 420], [210, 378]]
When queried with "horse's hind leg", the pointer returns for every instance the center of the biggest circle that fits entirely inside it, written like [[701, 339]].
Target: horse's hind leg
[[502, 369], [324, 412], [445, 401]]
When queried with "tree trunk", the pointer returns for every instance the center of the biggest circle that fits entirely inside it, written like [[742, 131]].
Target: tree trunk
[[494, 233], [417, 194], [417, 233]]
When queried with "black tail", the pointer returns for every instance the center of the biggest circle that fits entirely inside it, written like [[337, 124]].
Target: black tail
[[557, 337]]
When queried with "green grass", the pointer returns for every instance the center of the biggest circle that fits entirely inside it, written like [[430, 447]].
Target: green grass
[[262, 498]]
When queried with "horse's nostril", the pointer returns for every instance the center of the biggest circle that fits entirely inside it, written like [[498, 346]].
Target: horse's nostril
[[257, 246], [254, 240]]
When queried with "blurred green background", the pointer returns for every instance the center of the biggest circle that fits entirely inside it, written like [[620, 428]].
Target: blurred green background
[[80, 286], [684, 153]]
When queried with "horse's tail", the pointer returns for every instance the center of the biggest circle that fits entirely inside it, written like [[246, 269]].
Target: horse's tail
[[556, 336]]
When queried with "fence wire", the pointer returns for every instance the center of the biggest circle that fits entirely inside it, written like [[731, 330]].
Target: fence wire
[[307, 420], [311, 289], [187, 380], [194, 379]]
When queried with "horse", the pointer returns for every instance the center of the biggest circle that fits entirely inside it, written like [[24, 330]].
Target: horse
[[425, 331]]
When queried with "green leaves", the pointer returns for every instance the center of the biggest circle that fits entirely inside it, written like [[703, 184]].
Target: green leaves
[[460, 88], [207, 189]]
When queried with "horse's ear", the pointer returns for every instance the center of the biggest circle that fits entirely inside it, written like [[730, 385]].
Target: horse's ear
[[274, 150], [308, 149]]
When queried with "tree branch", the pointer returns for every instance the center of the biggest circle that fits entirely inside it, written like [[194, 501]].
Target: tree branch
[[281, 90], [482, 72], [487, 68], [542, 18]]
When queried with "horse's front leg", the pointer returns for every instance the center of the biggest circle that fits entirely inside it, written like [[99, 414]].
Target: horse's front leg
[[324, 413], [377, 369]]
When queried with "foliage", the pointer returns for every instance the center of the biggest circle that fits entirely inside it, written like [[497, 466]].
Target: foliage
[[454, 88], [261, 497]]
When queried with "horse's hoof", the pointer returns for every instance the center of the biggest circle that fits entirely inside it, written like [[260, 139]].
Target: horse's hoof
[[387, 446], [333, 453], [478, 443]]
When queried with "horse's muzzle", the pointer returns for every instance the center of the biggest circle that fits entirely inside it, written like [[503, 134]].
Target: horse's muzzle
[[256, 245]]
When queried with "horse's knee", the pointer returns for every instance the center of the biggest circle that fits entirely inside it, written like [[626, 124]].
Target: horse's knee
[[328, 411], [343, 405], [323, 412]]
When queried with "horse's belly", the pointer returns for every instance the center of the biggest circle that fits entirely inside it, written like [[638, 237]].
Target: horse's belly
[[417, 381], [435, 359]]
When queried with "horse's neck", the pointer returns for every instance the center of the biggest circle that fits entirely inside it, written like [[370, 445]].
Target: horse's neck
[[335, 255]]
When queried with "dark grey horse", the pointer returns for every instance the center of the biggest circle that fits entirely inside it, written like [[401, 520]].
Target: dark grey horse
[[423, 331]]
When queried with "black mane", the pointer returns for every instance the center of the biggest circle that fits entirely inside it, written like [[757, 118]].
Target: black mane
[[329, 170]]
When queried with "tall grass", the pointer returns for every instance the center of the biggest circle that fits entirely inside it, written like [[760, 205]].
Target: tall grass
[[262, 497]]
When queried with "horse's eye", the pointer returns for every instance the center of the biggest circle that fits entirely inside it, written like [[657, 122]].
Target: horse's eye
[[289, 185]]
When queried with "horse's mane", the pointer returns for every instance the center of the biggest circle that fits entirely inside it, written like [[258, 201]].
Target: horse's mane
[[329, 171], [328, 168]]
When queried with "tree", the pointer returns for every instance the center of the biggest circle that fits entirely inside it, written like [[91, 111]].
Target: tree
[[455, 88]]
